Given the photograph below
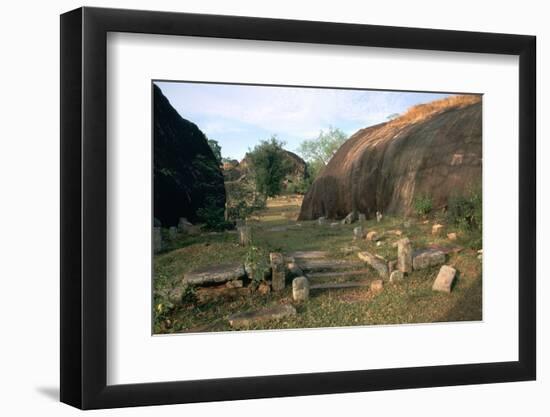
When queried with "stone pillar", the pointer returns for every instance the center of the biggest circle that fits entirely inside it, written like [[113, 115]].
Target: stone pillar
[[157, 239], [245, 235], [277, 271], [173, 232], [404, 256], [300, 289], [357, 233]]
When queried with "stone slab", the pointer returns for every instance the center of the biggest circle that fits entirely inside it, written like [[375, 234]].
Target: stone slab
[[428, 258], [445, 279], [250, 318], [215, 274]]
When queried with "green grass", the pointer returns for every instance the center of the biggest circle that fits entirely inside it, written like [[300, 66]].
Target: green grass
[[411, 301]]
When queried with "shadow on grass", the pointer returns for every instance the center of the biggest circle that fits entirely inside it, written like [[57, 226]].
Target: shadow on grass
[[468, 307]]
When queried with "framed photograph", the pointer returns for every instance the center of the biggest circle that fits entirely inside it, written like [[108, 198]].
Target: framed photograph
[[257, 208]]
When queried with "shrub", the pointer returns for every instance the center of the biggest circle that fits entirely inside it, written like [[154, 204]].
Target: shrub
[[299, 186], [423, 205], [466, 212], [256, 262], [213, 217]]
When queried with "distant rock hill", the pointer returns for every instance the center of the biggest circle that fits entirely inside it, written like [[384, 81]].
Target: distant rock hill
[[432, 150], [186, 174]]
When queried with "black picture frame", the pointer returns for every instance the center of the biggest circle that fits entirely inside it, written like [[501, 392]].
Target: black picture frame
[[84, 207]]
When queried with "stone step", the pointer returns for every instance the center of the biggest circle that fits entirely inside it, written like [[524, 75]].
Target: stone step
[[339, 285], [318, 265], [322, 276]]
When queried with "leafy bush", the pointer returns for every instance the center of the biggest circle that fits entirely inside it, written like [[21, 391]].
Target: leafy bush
[[299, 187], [466, 212], [269, 166], [213, 217], [256, 262], [423, 205]]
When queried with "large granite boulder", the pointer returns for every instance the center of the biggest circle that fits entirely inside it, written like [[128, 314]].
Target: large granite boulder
[[433, 149], [186, 174]]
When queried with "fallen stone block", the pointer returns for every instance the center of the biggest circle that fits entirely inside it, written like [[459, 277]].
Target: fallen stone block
[[427, 259], [452, 236], [445, 279], [300, 289], [215, 274], [378, 264], [251, 318]]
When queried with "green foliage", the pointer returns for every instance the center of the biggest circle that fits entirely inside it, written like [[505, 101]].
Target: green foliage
[[300, 186], [213, 217], [423, 205], [466, 212], [256, 261], [392, 116], [318, 152], [216, 149], [269, 166]]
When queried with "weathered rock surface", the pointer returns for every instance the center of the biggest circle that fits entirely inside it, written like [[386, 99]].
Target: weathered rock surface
[[427, 258], [215, 274], [445, 279], [250, 318], [186, 173], [433, 149], [300, 289], [378, 264]]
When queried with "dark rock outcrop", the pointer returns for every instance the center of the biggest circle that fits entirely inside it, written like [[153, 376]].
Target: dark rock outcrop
[[432, 150], [186, 174]]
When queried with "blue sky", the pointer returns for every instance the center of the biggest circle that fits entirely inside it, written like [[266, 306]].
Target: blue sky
[[239, 116]]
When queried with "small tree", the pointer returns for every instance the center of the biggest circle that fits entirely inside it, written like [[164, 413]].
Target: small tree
[[269, 166], [318, 152], [216, 149]]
